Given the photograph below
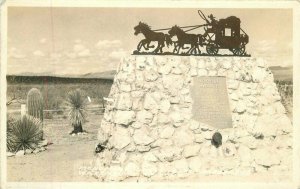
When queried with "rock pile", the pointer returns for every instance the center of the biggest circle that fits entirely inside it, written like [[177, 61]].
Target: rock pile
[[42, 146], [151, 135]]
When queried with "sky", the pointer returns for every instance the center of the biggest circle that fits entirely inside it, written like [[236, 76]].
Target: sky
[[89, 40]]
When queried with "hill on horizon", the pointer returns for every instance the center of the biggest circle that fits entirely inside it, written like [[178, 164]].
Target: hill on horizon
[[279, 72], [282, 73], [97, 75]]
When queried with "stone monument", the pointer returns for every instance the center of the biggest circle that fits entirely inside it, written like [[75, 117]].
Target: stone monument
[[153, 131]]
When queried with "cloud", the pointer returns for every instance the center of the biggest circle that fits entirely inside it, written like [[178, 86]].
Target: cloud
[[84, 53], [109, 53], [71, 55], [43, 40], [287, 62], [79, 50], [77, 41], [55, 56], [265, 46], [38, 53], [79, 58], [110, 50], [277, 54], [118, 54], [15, 53], [107, 44]]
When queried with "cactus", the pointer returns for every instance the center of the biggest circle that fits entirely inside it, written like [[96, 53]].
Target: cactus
[[35, 103]]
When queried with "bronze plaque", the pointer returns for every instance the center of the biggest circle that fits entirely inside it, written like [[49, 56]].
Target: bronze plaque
[[210, 102]]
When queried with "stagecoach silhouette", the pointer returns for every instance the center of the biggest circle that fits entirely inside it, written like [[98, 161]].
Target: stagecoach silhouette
[[219, 34]]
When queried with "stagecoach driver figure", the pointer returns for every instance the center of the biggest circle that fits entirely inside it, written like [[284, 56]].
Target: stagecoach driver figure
[[213, 23]]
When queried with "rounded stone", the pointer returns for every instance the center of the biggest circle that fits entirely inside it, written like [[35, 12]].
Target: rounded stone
[[165, 69], [120, 138], [115, 173], [183, 137], [141, 137], [164, 106], [149, 102], [169, 153], [194, 125], [20, 153], [124, 101], [151, 75], [181, 166], [28, 151], [167, 132], [10, 154], [144, 117], [195, 164], [163, 118], [150, 157], [124, 117], [149, 169], [245, 154], [132, 169], [202, 72], [229, 149], [191, 150], [176, 117], [266, 157]]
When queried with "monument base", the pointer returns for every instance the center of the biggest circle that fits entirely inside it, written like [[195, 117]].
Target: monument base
[[153, 129]]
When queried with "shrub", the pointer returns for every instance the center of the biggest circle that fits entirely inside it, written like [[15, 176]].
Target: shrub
[[76, 103], [60, 112], [48, 115], [25, 133], [9, 124], [285, 89]]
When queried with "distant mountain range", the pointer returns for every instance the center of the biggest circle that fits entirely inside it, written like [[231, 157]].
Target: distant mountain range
[[282, 73], [103, 75], [279, 72], [97, 75]]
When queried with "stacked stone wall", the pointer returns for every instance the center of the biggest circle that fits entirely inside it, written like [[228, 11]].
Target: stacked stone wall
[[151, 134]]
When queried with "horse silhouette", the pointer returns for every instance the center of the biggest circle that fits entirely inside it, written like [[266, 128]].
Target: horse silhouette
[[184, 38], [150, 36]]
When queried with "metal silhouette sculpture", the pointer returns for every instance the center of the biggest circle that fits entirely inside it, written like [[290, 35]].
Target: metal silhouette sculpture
[[184, 38], [218, 34], [150, 35]]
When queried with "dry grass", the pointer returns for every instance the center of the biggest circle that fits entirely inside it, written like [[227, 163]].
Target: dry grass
[[54, 94], [285, 89]]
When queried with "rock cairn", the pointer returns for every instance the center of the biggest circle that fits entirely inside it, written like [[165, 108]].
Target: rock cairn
[[150, 134]]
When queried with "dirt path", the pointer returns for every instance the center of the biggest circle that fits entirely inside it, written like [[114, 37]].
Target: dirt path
[[58, 163]]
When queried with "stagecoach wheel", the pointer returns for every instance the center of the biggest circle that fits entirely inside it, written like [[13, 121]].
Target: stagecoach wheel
[[212, 49], [239, 50]]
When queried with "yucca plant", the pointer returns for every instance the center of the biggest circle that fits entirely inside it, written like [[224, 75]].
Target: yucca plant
[[76, 103], [25, 133]]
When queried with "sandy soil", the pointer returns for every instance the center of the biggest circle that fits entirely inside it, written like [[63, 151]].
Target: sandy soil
[[61, 159]]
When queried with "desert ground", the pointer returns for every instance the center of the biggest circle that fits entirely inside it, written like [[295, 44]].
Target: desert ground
[[58, 162]]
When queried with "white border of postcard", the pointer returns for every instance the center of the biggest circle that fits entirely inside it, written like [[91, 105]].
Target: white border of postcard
[[295, 5]]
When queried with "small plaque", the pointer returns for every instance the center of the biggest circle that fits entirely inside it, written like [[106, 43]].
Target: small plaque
[[210, 102]]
